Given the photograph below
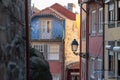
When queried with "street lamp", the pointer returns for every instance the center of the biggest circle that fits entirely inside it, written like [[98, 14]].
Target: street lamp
[[74, 47]]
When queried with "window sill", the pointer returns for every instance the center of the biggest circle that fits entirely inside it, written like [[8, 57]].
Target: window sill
[[92, 34], [100, 34], [112, 25], [114, 77], [118, 24]]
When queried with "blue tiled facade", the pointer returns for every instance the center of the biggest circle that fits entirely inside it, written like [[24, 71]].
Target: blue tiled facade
[[57, 28], [35, 28]]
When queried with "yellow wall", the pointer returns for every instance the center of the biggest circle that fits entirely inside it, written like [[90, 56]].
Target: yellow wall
[[71, 33], [78, 23]]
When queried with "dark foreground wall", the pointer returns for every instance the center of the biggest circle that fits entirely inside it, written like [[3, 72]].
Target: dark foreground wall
[[12, 40]]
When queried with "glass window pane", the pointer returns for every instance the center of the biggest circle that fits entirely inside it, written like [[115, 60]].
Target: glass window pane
[[111, 6], [119, 4], [119, 56], [53, 52]]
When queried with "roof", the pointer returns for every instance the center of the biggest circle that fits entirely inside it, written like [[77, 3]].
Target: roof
[[49, 11], [64, 11], [58, 11]]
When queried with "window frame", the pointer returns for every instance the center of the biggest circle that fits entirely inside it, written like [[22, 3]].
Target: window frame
[[53, 53], [46, 25], [49, 26], [118, 15], [92, 68], [99, 66], [100, 20], [41, 48], [118, 60], [84, 30], [118, 71], [111, 15], [111, 59], [93, 25], [38, 47]]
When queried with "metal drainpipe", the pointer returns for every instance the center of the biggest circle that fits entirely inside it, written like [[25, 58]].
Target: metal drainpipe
[[103, 39], [27, 41], [87, 36], [80, 40], [63, 62], [87, 41]]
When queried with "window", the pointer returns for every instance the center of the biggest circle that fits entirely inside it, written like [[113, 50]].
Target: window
[[43, 25], [118, 64], [92, 62], [111, 14], [41, 48], [56, 77], [111, 59], [99, 66], [48, 26], [118, 13], [36, 47], [84, 29], [53, 52], [93, 22], [118, 44], [100, 20]]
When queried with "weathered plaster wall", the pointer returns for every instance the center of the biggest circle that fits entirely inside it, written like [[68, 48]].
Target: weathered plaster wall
[[71, 32]]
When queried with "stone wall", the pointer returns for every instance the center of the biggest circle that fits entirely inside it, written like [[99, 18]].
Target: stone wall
[[12, 40]]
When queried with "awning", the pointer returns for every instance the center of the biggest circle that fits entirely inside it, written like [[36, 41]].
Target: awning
[[116, 49], [108, 47]]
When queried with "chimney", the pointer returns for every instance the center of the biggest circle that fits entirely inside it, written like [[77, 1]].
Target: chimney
[[71, 7]]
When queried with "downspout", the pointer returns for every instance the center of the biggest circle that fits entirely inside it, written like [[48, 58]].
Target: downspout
[[87, 36], [103, 40], [87, 42], [27, 41], [63, 42], [80, 78]]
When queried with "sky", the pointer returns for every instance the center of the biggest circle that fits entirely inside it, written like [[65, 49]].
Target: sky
[[41, 4]]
